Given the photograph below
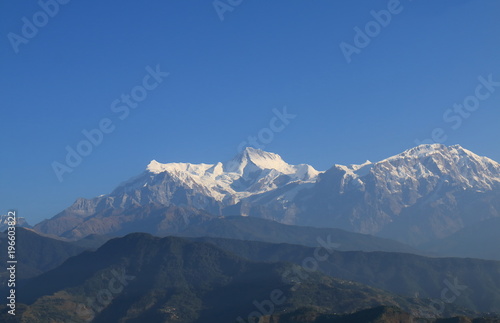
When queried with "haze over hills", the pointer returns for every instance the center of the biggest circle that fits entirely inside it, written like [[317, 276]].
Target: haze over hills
[[257, 229], [36, 254], [425, 193], [165, 222], [481, 240], [395, 271], [476, 282], [172, 279]]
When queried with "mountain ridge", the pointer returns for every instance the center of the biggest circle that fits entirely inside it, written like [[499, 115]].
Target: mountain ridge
[[167, 279], [416, 196]]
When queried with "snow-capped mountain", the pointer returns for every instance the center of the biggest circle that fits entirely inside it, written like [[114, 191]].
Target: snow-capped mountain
[[419, 171], [424, 193], [209, 186], [251, 172]]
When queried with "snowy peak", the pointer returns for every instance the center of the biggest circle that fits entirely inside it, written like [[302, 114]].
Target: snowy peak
[[154, 167], [356, 169], [421, 151], [435, 163], [452, 156], [194, 169], [246, 162], [252, 159], [252, 171], [453, 164], [455, 152]]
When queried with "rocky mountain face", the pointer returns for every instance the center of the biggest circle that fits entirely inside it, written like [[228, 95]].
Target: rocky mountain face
[[425, 193], [192, 190]]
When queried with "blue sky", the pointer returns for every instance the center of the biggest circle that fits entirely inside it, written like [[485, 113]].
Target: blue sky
[[225, 79]]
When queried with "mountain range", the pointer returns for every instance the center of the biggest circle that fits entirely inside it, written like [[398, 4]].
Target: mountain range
[[422, 195], [179, 277]]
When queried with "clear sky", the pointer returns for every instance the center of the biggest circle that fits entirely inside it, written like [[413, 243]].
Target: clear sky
[[227, 78]]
